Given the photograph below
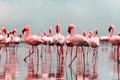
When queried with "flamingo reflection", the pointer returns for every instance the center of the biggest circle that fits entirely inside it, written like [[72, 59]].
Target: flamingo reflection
[[11, 69]]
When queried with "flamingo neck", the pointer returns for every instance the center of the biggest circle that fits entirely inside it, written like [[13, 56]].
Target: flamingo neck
[[50, 34], [72, 32], [59, 30], [95, 34], [3, 33], [112, 33], [27, 33], [14, 35]]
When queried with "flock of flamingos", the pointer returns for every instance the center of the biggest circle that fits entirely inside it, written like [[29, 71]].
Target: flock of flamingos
[[85, 40]]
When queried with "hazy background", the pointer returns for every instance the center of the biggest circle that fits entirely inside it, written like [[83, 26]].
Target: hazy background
[[41, 14]]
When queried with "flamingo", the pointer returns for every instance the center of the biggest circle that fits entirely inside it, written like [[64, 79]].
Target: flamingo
[[32, 40], [114, 39], [68, 41], [50, 40], [94, 42], [88, 36], [77, 40], [58, 40], [16, 38], [3, 35]]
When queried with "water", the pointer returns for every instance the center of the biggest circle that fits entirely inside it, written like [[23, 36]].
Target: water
[[104, 65]]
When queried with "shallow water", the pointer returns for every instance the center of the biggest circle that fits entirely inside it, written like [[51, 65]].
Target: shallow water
[[103, 66]]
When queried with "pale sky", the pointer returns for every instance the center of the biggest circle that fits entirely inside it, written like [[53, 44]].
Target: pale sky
[[41, 14]]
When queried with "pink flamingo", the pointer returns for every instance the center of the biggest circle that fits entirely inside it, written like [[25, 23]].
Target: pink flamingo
[[32, 40], [3, 35], [68, 41], [50, 40], [58, 40], [88, 36], [114, 39], [16, 38], [77, 40], [94, 42], [44, 40]]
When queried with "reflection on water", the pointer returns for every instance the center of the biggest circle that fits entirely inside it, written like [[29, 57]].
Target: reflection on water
[[101, 65]]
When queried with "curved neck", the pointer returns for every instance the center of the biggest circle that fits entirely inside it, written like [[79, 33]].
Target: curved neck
[[3, 33], [50, 34], [27, 33], [72, 32], [112, 33], [14, 34], [95, 34], [59, 30]]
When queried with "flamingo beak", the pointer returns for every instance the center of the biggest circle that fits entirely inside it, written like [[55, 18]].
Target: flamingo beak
[[109, 29], [20, 35], [69, 30], [23, 31], [5, 31], [12, 32], [96, 32], [57, 30]]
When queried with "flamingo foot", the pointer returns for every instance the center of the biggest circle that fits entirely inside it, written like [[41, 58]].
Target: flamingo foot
[[25, 59], [70, 65]]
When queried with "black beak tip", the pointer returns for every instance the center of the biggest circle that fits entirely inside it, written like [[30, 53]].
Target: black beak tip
[[96, 32], [109, 30], [23, 31], [68, 30], [5, 32], [56, 30]]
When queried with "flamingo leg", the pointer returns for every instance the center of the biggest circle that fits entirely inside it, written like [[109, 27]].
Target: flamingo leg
[[66, 54], [29, 54], [71, 52], [84, 63], [62, 51], [87, 54], [41, 50], [93, 55], [74, 57], [37, 59]]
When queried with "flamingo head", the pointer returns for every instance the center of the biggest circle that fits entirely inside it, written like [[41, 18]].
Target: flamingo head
[[58, 28], [45, 33], [90, 34], [26, 29], [70, 28], [50, 30], [84, 33], [14, 31], [3, 30], [111, 27], [20, 35], [119, 34], [96, 31]]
